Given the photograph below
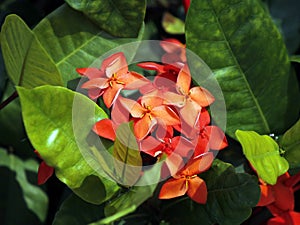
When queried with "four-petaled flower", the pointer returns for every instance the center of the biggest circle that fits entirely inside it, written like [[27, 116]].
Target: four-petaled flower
[[111, 78], [187, 181], [147, 112]]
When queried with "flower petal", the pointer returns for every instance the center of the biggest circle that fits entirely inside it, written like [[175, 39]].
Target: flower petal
[[95, 93], [152, 66], [174, 163], [184, 80], [190, 113], [197, 190], [198, 165], [105, 128], [111, 93], [173, 188], [100, 83], [135, 108], [90, 73], [165, 115], [171, 45], [115, 63], [202, 96], [119, 114], [133, 80], [182, 146], [217, 139], [151, 146], [266, 195], [44, 173], [143, 126]]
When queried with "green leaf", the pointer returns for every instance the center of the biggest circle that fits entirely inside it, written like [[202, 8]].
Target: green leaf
[[295, 58], [263, 154], [73, 41], [53, 117], [233, 38], [127, 158], [36, 200], [134, 197], [290, 143], [230, 199], [26, 61], [75, 211], [172, 24], [117, 17]]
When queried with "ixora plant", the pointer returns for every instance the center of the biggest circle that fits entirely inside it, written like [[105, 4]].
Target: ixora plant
[[153, 132]]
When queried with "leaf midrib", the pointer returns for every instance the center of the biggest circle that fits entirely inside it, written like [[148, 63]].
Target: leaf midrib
[[265, 123]]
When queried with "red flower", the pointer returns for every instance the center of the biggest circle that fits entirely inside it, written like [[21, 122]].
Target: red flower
[[44, 171], [147, 112], [175, 148], [279, 199], [106, 128], [186, 181], [175, 51], [192, 99], [111, 78]]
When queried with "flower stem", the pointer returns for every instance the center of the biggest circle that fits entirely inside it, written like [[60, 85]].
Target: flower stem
[[9, 100]]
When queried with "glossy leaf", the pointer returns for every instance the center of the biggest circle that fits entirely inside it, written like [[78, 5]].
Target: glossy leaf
[[73, 41], [118, 17], [134, 197], [290, 143], [75, 211], [49, 115], [36, 199], [230, 199], [27, 63], [263, 154], [233, 38], [127, 158]]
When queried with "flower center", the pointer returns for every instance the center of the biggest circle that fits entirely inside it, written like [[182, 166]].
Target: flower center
[[114, 79]]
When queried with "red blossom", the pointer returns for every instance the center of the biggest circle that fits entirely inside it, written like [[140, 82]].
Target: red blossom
[[44, 171], [187, 181]]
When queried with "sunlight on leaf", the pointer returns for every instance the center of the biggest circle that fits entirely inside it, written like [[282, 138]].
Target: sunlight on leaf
[[52, 108], [263, 154]]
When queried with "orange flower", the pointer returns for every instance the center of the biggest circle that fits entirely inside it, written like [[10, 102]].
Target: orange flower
[[279, 199], [175, 51], [106, 128], [147, 112], [111, 78], [186, 181], [192, 99]]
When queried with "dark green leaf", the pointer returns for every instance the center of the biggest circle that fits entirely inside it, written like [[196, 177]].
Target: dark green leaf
[[263, 154], [127, 158], [75, 211], [230, 199], [233, 38], [58, 121], [73, 41], [36, 200], [26, 61], [12, 129], [121, 18], [135, 196], [290, 143]]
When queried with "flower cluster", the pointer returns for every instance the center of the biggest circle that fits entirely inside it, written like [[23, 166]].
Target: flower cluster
[[280, 199], [169, 115]]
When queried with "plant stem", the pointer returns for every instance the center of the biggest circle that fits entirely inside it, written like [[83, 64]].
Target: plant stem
[[9, 100]]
